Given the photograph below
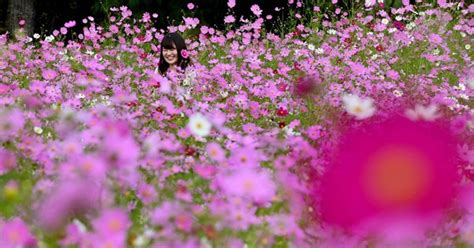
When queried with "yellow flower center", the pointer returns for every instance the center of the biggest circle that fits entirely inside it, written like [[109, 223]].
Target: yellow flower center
[[396, 176]]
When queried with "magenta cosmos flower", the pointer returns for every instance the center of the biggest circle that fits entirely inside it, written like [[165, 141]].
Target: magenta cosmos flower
[[184, 53], [389, 169]]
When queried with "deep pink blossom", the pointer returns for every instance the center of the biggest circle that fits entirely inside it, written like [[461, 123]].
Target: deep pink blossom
[[369, 166]]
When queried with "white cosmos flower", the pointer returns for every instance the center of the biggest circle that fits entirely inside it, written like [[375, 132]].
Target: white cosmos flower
[[428, 113], [80, 226], [199, 125], [361, 108], [49, 38], [398, 93], [38, 130]]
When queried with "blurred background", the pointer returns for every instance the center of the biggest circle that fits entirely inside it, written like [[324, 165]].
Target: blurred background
[[43, 16]]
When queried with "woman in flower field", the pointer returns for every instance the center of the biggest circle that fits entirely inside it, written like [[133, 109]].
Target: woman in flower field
[[173, 53]]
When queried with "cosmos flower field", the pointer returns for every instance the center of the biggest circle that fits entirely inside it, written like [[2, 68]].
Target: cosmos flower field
[[348, 132]]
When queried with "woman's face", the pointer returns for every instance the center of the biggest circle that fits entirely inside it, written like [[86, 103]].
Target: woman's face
[[171, 55]]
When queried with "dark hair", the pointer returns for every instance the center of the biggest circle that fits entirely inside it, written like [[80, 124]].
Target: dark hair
[[167, 42]]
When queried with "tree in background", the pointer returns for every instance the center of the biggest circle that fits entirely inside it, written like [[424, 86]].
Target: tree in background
[[48, 15], [20, 14]]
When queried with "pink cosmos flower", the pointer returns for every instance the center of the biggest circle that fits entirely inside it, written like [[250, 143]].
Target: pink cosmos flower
[[251, 183], [22, 22], [190, 6], [435, 39], [215, 152], [245, 157], [7, 161], [184, 221], [114, 29], [393, 74], [68, 199], [49, 74], [83, 166], [240, 217], [15, 233], [162, 214], [119, 148], [184, 53], [229, 19], [70, 24], [256, 10], [147, 193], [370, 165], [112, 223], [10, 123], [192, 22], [314, 132], [442, 3], [284, 225], [205, 171], [231, 3]]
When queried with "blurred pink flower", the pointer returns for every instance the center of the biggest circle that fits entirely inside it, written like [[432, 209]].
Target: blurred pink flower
[[215, 152], [229, 19], [251, 183], [147, 193], [70, 24], [284, 225], [69, 198], [162, 214], [307, 85], [368, 167], [244, 157], [111, 228], [240, 217], [205, 171], [7, 161], [314, 132], [15, 233]]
